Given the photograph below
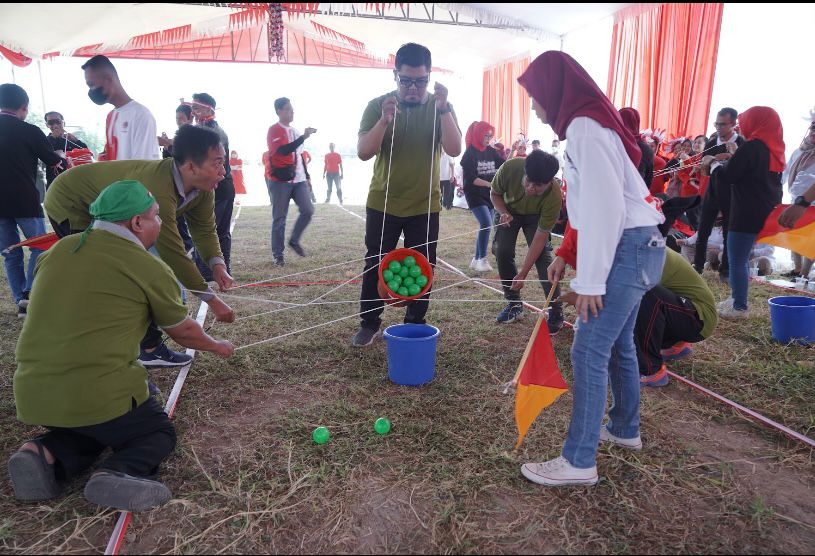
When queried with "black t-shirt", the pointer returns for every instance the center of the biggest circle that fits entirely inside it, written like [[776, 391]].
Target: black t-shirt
[[646, 167], [21, 144], [479, 164], [712, 149], [60, 144], [226, 188], [754, 190]]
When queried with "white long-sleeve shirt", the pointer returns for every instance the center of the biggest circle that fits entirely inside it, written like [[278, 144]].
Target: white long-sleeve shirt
[[606, 195], [804, 179]]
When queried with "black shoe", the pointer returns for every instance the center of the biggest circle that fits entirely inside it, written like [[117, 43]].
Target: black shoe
[[278, 261], [555, 322], [511, 312], [32, 477], [125, 492], [22, 311], [297, 249], [364, 337]]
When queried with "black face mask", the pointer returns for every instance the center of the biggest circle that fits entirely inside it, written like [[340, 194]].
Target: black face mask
[[98, 96]]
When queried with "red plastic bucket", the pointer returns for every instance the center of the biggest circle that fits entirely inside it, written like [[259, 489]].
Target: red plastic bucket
[[393, 298]]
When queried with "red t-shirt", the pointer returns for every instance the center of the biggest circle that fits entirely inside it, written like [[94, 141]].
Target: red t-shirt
[[332, 163], [267, 166]]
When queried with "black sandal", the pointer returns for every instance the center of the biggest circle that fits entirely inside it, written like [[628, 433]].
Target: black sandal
[[32, 477]]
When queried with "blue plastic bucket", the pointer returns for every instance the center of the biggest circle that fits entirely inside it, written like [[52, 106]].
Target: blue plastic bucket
[[411, 353], [793, 319]]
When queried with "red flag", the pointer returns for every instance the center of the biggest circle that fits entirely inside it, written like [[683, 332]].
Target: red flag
[[800, 238], [43, 242], [540, 382]]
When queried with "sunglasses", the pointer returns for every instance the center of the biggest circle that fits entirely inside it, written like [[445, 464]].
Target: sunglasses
[[407, 82], [53, 122], [722, 124]]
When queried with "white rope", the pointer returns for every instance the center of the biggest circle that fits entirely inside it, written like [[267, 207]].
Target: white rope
[[387, 186], [432, 167]]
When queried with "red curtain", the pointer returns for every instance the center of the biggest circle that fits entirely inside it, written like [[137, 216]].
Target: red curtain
[[14, 57], [663, 60], [504, 103]]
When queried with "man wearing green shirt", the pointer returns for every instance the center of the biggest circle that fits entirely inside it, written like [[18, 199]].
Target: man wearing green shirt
[[526, 196], [183, 186], [406, 131], [77, 373]]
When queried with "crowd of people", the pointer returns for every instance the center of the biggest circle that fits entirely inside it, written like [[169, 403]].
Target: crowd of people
[[143, 227]]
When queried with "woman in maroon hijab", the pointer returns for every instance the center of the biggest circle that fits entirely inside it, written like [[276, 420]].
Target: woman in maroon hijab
[[620, 254]]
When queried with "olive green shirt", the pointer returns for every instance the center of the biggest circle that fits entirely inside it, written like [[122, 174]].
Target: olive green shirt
[[415, 156], [680, 277], [77, 354], [73, 191], [508, 183]]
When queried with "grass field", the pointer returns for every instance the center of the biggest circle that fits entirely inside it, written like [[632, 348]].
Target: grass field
[[247, 478]]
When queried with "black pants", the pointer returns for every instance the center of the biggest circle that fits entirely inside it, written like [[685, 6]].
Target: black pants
[[415, 230], [140, 440], [224, 205], [663, 320], [506, 238], [716, 200], [447, 191], [184, 232]]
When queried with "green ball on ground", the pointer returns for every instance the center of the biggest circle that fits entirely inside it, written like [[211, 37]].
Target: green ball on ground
[[403, 291], [387, 275], [393, 285], [320, 435], [409, 261], [421, 281], [414, 290], [405, 272], [382, 426], [407, 282], [394, 267], [415, 271]]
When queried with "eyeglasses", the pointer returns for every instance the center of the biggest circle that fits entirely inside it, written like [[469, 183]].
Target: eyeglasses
[[723, 124], [53, 122], [407, 82]]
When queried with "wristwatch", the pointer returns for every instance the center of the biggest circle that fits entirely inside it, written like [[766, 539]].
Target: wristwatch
[[801, 202]]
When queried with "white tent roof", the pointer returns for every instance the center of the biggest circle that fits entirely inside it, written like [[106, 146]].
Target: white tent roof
[[38, 29]]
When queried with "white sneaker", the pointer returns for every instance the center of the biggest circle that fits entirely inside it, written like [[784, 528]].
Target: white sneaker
[[559, 472], [472, 263], [481, 265], [630, 443], [726, 310]]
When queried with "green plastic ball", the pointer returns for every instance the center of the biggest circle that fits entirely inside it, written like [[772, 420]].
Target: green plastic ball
[[387, 275], [414, 290], [382, 426], [393, 285], [320, 435], [405, 272], [415, 271], [409, 261], [407, 282], [421, 281], [394, 267], [403, 291], [398, 279]]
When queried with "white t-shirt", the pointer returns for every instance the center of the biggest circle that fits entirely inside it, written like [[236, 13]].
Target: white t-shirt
[[606, 196], [444, 171], [131, 133]]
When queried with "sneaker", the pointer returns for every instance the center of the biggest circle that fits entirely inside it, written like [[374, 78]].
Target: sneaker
[[364, 337], [481, 265], [164, 357], [472, 263], [677, 352], [726, 310], [22, 311], [278, 261], [125, 492], [656, 380], [630, 443], [152, 389], [297, 249], [555, 322], [559, 472], [24, 301], [512, 312]]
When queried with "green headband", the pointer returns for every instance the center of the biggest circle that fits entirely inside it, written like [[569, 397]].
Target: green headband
[[120, 201]]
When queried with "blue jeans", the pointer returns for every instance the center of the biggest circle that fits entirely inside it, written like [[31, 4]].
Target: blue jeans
[[280, 193], [739, 246], [19, 280], [483, 214], [603, 350]]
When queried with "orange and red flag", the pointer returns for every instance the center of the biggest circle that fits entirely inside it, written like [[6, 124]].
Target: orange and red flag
[[539, 383], [800, 238], [43, 242]]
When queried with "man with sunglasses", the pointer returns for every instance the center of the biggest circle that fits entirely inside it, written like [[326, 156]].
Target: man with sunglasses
[[406, 131], [526, 195], [725, 125], [61, 142]]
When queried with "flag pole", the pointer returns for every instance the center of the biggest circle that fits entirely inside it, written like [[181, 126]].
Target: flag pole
[[514, 382]]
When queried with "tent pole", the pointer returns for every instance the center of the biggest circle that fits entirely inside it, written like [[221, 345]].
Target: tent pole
[[42, 89]]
